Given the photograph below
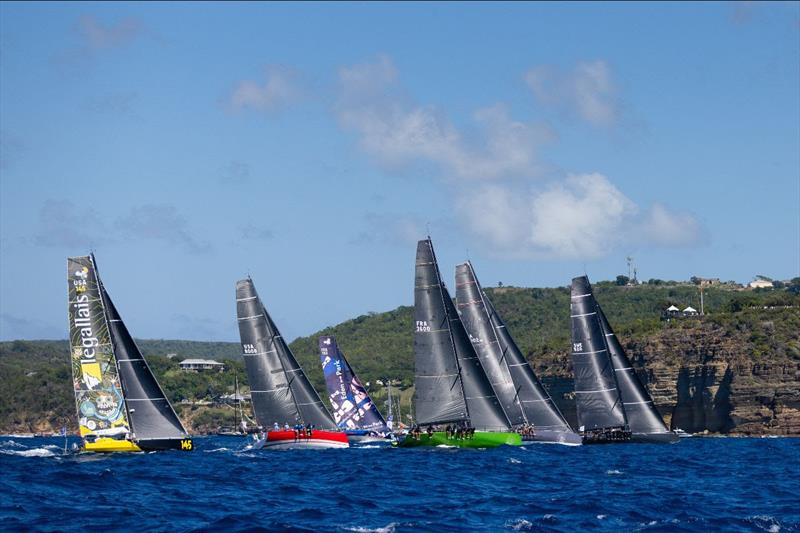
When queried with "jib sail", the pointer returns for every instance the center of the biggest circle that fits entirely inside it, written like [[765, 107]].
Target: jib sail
[[351, 404]]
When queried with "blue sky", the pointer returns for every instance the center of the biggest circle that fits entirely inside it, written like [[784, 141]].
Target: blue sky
[[311, 145]]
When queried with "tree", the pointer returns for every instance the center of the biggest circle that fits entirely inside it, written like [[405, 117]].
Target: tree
[[695, 280], [622, 280]]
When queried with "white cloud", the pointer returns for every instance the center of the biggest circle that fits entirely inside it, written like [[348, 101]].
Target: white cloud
[[579, 217], [398, 132], [280, 90], [587, 91], [583, 217]]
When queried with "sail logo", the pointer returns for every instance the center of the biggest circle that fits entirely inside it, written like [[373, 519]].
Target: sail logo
[[577, 346], [422, 325]]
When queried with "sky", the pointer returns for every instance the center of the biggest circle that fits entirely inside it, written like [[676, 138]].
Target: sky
[[310, 145]]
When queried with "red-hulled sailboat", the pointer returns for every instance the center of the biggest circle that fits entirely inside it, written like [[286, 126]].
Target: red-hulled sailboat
[[283, 398]]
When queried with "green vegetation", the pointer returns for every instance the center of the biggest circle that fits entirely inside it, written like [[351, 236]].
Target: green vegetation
[[35, 381]]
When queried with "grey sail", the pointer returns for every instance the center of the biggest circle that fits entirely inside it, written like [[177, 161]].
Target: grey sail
[[451, 383], [643, 417], [536, 405], [150, 413], [438, 391], [596, 394], [476, 320], [279, 389]]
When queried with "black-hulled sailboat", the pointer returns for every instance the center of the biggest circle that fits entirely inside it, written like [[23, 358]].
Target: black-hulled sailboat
[[612, 404], [353, 410], [529, 407], [452, 391], [121, 407], [283, 398]]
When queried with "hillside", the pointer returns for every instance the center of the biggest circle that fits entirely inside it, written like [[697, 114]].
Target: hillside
[[736, 369]]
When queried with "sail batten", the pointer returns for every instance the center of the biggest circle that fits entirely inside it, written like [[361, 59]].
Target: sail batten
[[524, 398]]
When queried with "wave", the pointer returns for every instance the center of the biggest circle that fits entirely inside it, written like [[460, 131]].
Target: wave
[[389, 528], [33, 452]]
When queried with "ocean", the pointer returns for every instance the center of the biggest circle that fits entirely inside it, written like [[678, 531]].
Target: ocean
[[711, 484]]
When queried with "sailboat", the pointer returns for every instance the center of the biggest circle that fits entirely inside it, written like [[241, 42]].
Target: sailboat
[[353, 409], [121, 407], [612, 403], [529, 407], [451, 386], [283, 398]]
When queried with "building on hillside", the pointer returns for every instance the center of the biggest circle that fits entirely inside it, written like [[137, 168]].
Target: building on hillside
[[690, 311], [760, 283], [709, 282], [193, 365]]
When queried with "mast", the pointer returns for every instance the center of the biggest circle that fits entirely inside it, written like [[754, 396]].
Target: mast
[[279, 388], [596, 393], [535, 403], [441, 339], [641, 412], [151, 414], [352, 406]]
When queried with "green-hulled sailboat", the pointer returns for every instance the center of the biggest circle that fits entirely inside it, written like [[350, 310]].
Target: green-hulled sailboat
[[451, 388]]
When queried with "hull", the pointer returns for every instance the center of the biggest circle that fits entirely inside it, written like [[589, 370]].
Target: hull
[[107, 445], [656, 438], [607, 436], [289, 440], [367, 439], [554, 437], [481, 439]]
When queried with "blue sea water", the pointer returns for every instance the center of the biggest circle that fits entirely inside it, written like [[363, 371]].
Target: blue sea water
[[711, 484]]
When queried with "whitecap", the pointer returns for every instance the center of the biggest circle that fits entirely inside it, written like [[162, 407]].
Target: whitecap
[[217, 450], [389, 528], [34, 452], [514, 461], [11, 444], [445, 446], [601, 516], [614, 472], [520, 525]]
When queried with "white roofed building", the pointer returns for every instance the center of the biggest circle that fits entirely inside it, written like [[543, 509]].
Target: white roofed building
[[201, 364]]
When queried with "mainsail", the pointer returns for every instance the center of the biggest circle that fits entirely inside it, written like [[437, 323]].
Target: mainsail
[[280, 390], [451, 385], [596, 393], [524, 398], [98, 392], [643, 417], [352, 406]]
